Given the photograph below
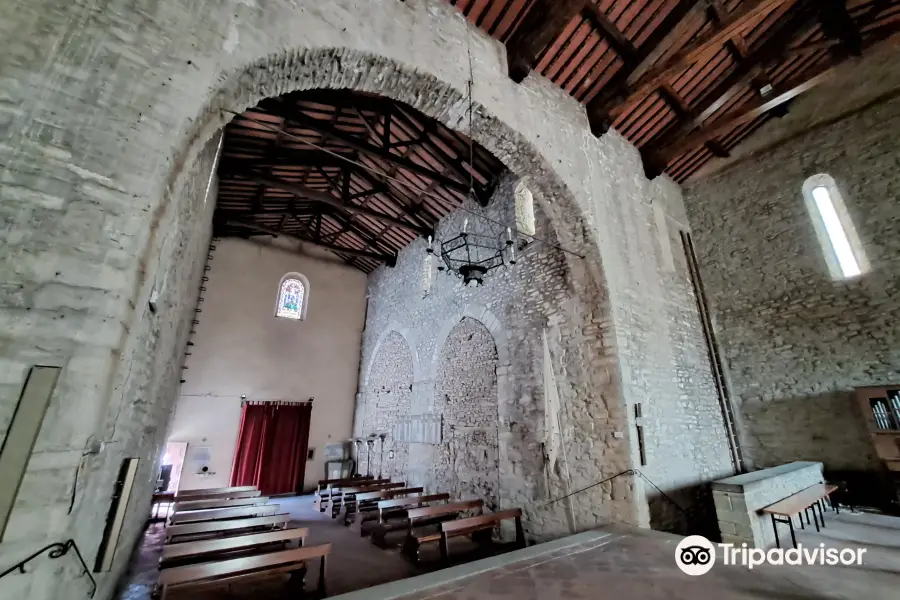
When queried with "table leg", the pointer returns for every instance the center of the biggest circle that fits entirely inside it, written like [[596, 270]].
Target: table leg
[[775, 528], [821, 513], [793, 537], [815, 518], [800, 518]]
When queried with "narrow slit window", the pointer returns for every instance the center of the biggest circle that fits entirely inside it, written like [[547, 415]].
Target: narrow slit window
[[837, 236]]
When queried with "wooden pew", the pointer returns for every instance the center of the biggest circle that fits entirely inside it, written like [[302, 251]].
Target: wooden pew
[[795, 504], [219, 549], [418, 531], [326, 484], [221, 496], [392, 514], [184, 494], [348, 495], [333, 491], [482, 524], [203, 504], [365, 507], [215, 514], [246, 568], [228, 527]]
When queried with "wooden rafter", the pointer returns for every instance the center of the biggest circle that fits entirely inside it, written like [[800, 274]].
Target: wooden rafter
[[543, 22], [388, 259]]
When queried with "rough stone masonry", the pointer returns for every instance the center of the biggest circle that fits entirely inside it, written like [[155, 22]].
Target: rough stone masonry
[[105, 111]]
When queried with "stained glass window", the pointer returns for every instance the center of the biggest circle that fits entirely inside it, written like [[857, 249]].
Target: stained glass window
[[290, 299]]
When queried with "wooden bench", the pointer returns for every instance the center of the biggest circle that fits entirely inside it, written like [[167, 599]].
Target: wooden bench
[[220, 548], [184, 494], [480, 524], [796, 504], [392, 514], [348, 495], [229, 527], [235, 570], [334, 491], [215, 514], [203, 504], [158, 499], [326, 485], [418, 534], [365, 507], [220, 496]]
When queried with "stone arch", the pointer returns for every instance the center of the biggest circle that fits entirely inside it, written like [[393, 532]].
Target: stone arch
[[485, 317], [466, 462], [385, 402], [283, 71], [410, 338]]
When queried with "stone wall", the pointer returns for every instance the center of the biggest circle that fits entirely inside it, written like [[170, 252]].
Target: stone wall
[[544, 295], [467, 461], [104, 112], [795, 341], [389, 393]]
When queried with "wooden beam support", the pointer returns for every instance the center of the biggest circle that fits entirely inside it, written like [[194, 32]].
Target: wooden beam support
[[598, 109], [772, 48], [325, 198], [646, 78], [615, 38], [388, 259], [729, 121], [361, 146], [542, 24]]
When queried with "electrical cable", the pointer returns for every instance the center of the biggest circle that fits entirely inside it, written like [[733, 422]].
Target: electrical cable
[[404, 184]]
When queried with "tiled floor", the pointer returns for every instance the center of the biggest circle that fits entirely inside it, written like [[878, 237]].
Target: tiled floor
[[613, 564]]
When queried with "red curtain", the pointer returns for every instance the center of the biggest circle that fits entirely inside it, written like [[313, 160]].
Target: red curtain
[[272, 444]]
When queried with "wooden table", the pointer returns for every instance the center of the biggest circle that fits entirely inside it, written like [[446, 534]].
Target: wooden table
[[798, 503]]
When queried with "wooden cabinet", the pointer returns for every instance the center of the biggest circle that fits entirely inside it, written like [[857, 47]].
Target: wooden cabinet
[[881, 409]]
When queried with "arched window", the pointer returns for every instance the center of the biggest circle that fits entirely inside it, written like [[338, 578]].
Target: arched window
[[293, 297], [834, 228]]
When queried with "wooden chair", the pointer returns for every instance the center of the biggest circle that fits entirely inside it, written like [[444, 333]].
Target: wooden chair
[[482, 524], [220, 548], [393, 514], [184, 494], [215, 514], [204, 504], [365, 507], [235, 570], [224, 528], [795, 504], [418, 531]]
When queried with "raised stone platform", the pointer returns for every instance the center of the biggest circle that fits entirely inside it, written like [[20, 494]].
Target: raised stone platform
[[739, 499]]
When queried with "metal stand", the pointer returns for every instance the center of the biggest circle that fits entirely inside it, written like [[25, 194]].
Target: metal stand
[[382, 437], [369, 443], [358, 442]]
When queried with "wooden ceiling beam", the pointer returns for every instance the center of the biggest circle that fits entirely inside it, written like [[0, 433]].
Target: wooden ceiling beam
[[646, 77], [389, 259], [729, 121], [615, 38], [598, 109], [541, 25], [304, 192], [294, 115], [772, 48]]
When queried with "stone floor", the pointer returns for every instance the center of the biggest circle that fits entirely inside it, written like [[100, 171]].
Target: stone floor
[[612, 563], [617, 563]]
